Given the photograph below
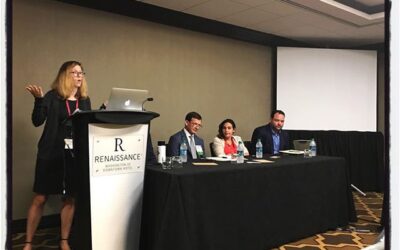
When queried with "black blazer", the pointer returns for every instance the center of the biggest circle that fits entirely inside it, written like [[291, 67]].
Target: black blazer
[[175, 141], [265, 134], [47, 109]]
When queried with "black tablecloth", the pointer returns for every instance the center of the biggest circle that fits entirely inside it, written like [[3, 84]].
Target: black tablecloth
[[244, 206], [363, 151]]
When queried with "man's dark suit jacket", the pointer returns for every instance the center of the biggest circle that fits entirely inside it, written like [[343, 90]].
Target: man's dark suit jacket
[[175, 142], [265, 134]]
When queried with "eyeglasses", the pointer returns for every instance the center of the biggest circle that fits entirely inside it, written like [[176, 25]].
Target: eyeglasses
[[198, 125], [78, 74]]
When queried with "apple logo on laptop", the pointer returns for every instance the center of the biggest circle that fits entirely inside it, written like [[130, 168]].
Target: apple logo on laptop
[[127, 103]]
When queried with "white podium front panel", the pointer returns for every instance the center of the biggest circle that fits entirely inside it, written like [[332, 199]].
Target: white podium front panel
[[117, 155]]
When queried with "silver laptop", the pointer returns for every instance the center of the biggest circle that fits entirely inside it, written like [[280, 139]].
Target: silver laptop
[[127, 99]]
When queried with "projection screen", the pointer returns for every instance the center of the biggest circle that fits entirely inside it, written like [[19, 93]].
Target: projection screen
[[327, 89]]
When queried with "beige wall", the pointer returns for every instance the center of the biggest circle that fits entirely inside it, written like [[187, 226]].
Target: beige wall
[[183, 70], [381, 93]]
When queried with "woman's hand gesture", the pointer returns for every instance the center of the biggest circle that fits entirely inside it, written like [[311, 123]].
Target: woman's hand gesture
[[35, 90]]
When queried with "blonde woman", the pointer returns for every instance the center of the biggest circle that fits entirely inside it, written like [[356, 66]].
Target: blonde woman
[[226, 142], [54, 161]]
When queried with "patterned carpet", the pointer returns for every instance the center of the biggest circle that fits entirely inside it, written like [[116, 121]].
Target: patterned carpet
[[355, 236]]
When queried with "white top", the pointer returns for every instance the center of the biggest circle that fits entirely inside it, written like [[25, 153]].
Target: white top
[[219, 145]]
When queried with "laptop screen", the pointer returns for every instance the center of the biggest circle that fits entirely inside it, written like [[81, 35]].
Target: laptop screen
[[127, 99]]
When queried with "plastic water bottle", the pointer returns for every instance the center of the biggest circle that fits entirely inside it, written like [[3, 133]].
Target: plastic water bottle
[[259, 149], [183, 152], [313, 148], [240, 153]]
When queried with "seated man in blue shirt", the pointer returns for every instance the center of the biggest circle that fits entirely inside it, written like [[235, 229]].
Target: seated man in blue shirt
[[194, 144], [273, 138]]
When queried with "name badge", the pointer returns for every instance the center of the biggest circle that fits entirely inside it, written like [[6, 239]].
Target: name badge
[[199, 151], [68, 143]]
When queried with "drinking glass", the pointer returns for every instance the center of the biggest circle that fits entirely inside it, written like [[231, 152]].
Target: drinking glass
[[176, 162], [307, 153], [167, 164]]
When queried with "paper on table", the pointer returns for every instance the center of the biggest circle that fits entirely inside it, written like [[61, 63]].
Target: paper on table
[[263, 161], [292, 152], [260, 161], [274, 157], [219, 158], [204, 163]]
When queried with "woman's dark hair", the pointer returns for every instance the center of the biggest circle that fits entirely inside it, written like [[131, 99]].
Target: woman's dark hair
[[221, 126]]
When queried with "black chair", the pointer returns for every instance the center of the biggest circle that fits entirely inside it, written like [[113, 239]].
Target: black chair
[[247, 144], [212, 150]]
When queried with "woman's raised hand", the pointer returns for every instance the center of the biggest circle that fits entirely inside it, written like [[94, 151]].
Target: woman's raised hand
[[35, 90]]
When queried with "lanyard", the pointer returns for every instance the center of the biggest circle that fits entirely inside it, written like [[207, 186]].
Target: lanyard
[[68, 108]]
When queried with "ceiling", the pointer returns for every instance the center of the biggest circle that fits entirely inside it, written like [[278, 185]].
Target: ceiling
[[325, 23]]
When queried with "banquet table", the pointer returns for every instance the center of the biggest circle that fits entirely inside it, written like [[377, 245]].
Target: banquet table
[[244, 206]]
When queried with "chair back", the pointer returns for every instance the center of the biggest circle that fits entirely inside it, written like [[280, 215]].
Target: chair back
[[212, 150], [247, 144]]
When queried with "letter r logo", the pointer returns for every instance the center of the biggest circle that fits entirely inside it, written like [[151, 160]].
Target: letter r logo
[[118, 144]]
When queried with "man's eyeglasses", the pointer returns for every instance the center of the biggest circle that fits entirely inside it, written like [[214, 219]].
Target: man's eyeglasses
[[78, 74], [198, 125]]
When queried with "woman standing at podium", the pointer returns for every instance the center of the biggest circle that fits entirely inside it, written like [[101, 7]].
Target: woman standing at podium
[[54, 161]]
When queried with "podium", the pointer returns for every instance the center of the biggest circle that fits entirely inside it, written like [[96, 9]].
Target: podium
[[110, 154]]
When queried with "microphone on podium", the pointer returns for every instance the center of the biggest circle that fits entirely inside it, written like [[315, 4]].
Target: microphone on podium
[[148, 99]]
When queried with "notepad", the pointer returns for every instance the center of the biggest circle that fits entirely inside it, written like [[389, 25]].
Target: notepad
[[205, 163], [213, 158], [292, 152], [263, 161]]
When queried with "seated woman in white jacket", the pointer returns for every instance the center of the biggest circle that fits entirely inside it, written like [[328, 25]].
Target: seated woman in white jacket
[[226, 143]]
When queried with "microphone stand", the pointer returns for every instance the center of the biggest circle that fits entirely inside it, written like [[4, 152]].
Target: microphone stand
[[149, 99]]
